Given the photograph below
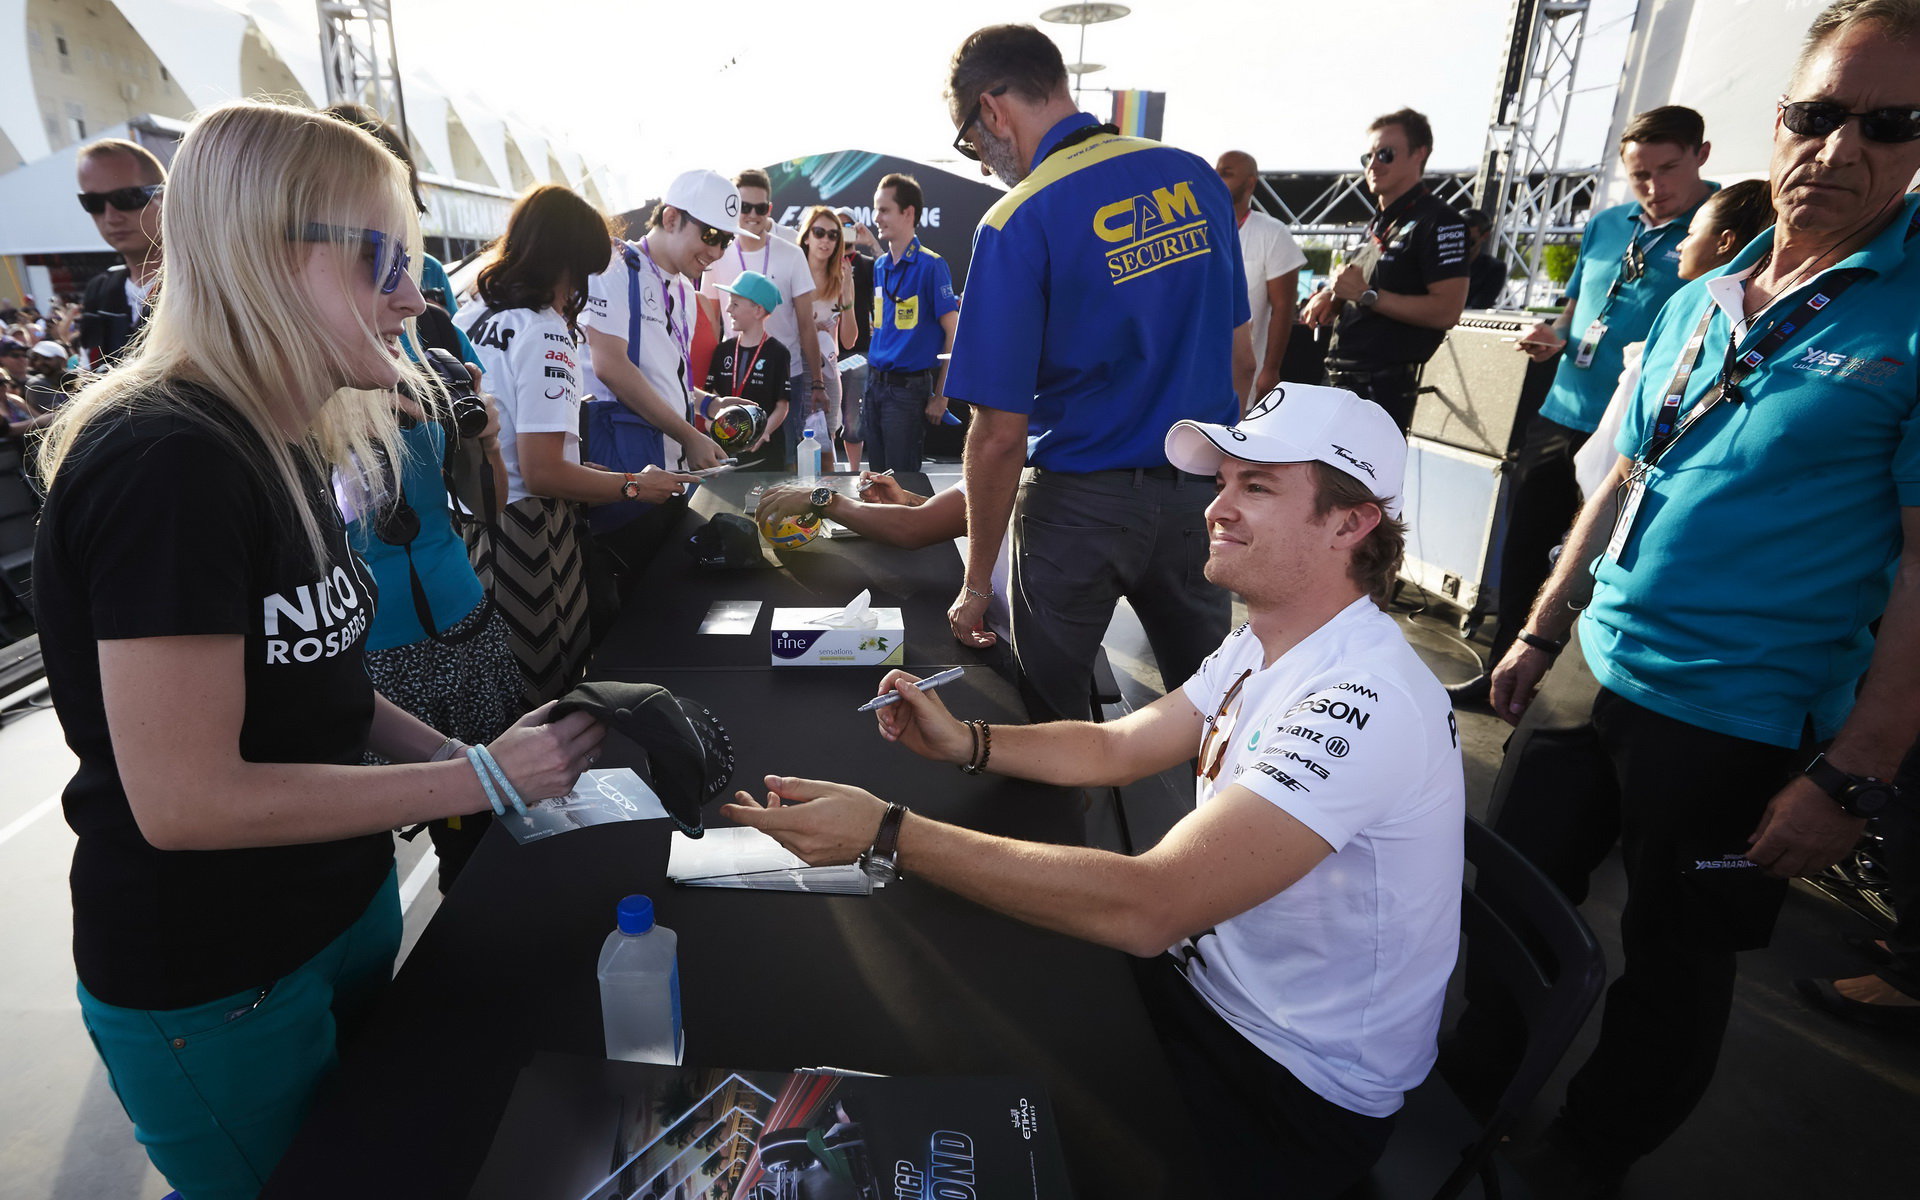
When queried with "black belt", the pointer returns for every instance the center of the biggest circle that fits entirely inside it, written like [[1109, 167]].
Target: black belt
[[1339, 367], [1165, 471], [883, 375]]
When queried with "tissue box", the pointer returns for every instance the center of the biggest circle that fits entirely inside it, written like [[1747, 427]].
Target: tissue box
[[797, 642]]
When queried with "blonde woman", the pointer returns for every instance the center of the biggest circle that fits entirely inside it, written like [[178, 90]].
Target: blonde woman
[[833, 320], [203, 624]]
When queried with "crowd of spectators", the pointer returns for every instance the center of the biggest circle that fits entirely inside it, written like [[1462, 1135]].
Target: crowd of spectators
[[495, 465]]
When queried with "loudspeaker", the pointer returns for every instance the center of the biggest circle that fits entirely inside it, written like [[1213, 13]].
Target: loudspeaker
[[1453, 507], [1479, 389]]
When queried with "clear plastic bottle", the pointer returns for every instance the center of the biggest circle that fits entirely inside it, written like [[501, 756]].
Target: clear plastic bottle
[[640, 987], [809, 457]]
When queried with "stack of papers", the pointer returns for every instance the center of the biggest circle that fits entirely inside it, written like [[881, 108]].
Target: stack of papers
[[739, 857]]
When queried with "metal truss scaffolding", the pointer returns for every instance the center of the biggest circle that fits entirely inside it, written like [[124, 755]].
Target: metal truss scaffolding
[[362, 65], [1533, 198]]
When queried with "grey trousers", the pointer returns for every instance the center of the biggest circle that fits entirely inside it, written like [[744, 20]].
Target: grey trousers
[[1083, 541]]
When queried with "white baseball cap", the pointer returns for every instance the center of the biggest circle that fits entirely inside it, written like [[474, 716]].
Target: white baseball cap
[[706, 196], [1298, 423]]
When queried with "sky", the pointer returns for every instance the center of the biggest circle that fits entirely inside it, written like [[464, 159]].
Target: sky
[[651, 88]]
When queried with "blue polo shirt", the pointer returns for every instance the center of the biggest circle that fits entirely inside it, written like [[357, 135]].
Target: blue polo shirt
[[1768, 534], [1580, 394], [910, 295], [1101, 301]]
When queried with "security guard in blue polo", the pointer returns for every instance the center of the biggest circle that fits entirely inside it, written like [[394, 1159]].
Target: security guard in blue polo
[[1105, 301], [1629, 264]]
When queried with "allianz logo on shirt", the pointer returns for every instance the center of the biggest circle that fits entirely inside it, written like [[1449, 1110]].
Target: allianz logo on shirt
[[1816, 361], [327, 611]]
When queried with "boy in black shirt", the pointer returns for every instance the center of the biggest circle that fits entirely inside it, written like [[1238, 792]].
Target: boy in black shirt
[[752, 366]]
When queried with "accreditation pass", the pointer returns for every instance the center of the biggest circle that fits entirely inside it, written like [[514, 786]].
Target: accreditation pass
[[1629, 509]]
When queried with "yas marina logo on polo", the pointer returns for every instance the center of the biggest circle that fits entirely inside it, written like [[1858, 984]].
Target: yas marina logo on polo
[[318, 620], [1828, 365], [1148, 232]]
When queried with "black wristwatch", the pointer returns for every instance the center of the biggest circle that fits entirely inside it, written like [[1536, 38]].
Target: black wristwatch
[[1859, 795], [819, 499], [1368, 298], [881, 862]]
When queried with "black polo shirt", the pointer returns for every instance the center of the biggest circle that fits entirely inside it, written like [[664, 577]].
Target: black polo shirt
[[1421, 242]]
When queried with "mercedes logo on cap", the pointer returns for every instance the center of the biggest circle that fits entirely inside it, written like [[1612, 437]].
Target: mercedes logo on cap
[[1267, 404], [733, 206]]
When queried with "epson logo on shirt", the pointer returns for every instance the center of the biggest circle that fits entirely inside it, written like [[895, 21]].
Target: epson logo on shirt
[[327, 611]]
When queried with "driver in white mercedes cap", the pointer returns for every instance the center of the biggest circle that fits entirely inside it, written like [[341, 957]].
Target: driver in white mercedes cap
[[1299, 925]]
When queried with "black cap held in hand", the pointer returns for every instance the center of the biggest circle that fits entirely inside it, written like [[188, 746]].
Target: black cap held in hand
[[688, 756]]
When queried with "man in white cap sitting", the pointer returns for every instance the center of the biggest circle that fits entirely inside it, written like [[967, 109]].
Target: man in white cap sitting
[[1303, 919]]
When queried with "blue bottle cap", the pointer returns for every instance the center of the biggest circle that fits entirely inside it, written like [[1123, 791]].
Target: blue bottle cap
[[807, 434], [635, 915]]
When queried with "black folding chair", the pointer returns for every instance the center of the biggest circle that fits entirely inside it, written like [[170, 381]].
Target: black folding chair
[[1532, 947]]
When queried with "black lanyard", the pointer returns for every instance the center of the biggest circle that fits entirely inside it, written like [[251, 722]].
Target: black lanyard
[[1734, 371]]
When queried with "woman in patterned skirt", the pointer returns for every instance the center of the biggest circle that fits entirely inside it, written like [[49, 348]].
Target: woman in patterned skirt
[[523, 325]]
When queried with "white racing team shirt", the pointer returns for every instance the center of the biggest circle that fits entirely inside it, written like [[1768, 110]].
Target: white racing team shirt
[[664, 344], [532, 369], [1340, 977]]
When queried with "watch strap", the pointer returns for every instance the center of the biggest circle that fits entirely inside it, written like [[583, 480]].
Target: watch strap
[[883, 857], [1857, 795]]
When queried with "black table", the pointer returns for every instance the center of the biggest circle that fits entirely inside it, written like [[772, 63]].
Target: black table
[[909, 980]]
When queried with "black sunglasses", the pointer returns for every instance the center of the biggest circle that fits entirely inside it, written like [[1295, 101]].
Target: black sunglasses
[[1819, 118], [720, 239], [960, 142], [126, 199], [756, 210], [1385, 154], [821, 231]]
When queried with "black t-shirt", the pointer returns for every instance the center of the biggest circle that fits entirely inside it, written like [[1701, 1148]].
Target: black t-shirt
[[862, 313], [1486, 280], [1421, 242], [106, 320], [758, 374], [157, 527]]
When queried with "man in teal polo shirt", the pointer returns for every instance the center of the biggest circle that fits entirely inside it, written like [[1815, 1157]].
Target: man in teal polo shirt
[[914, 314], [1765, 509], [1106, 300], [1629, 264]]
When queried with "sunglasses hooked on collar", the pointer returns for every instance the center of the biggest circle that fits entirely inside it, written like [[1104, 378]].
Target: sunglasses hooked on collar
[[126, 199], [390, 258], [960, 142], [1819, 118], [1385, 154]]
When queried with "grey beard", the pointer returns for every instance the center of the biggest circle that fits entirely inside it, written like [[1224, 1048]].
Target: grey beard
[[1002, 159]]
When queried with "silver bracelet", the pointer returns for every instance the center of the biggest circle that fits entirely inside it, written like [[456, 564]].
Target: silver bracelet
[[977, 595], [451, 748]]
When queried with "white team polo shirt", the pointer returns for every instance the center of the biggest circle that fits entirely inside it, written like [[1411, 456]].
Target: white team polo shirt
[[1340, 978], [662, 359]]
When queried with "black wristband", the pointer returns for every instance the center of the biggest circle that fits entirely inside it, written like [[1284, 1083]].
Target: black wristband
[[1546, 646]]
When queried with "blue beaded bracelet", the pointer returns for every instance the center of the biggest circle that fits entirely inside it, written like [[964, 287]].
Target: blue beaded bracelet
[[490, 774]]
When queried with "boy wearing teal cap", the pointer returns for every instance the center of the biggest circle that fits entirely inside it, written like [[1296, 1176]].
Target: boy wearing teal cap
[[751, 366]]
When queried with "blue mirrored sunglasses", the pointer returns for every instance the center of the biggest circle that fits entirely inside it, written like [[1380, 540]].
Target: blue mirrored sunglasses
[[390, 257]]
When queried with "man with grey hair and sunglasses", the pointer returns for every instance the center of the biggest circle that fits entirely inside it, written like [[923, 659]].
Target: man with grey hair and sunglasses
[[120, 187], [1297, 928], [1761, 513]]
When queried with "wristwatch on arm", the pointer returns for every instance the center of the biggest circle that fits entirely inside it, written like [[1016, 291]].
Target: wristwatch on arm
[[631, 488], [881, 862], [1858, 795], [819, 500], [1368, 298]]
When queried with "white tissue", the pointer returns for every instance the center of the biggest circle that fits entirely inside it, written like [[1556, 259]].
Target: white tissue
[[855, 615]]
